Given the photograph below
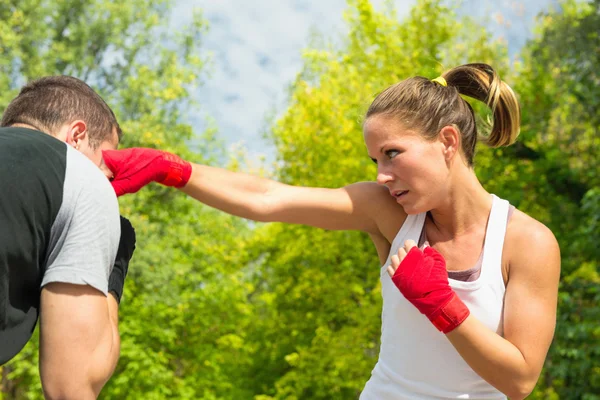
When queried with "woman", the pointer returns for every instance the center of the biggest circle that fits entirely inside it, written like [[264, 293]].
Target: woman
[[469, 284]]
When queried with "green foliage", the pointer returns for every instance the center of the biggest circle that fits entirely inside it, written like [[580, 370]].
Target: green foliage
[[325, 285], [215, 310], [560, 93], [183, 309]]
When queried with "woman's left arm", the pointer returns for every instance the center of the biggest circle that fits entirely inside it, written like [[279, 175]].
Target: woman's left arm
[[513, 363]]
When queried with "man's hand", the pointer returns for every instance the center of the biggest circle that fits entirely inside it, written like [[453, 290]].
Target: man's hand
[[422, 278], [124, 254], [136, 167]]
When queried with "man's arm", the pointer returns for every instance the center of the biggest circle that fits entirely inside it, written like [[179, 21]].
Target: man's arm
[[88, 256], [79, 340], [79, 335]]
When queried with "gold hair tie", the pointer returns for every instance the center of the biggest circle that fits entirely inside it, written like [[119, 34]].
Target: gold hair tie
[[440, 80]]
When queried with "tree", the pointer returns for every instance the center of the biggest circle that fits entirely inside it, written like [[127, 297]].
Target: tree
[[175, 342], [321, 300], [559, 87], [216, 309], [320, 290]]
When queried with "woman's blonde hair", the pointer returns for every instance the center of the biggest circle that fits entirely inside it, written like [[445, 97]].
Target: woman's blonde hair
[[429, 105]]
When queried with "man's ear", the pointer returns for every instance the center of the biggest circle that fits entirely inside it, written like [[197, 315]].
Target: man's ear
[[77, 133], [449, 137]]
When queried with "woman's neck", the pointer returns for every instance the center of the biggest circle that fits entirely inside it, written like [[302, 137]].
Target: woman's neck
[[467, 205]]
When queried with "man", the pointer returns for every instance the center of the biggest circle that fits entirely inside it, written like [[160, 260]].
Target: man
[[60, 254]]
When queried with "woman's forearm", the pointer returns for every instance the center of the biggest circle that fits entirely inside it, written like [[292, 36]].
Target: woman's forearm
[[494, 358], [266, 200], [236, 193]]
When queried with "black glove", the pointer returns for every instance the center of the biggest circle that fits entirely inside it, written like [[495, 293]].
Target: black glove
[[124, 254]]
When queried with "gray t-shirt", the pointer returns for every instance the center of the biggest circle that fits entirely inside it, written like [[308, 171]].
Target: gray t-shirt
[[59, 222], [85, 235]]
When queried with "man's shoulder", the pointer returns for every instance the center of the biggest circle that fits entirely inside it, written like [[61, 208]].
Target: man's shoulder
[[29, 136], [84, 177], [31, 151], [86, 231]]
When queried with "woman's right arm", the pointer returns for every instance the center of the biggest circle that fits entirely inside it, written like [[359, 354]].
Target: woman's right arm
[[353, 207], [360, 206]]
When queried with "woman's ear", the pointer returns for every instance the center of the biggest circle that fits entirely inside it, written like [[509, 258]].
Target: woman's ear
[[449, 137]]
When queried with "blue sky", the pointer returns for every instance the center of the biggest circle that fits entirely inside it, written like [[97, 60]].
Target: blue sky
[[256, 48]]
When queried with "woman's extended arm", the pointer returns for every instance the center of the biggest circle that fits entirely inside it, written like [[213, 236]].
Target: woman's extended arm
[[354, 207]]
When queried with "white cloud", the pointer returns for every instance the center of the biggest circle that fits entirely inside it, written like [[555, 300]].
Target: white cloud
[[257, 47]]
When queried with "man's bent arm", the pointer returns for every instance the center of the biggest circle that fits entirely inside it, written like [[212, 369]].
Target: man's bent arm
[[79, 340]]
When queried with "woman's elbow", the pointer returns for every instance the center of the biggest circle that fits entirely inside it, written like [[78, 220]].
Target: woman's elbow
[[265, 209], [519, 390]]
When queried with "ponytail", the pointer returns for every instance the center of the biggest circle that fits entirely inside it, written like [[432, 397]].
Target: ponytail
[[481, 82]]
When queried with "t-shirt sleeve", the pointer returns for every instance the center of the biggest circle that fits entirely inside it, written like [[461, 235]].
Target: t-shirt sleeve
[[85, 235]]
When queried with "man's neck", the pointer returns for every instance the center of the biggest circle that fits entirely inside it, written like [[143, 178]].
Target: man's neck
[[27, 126]]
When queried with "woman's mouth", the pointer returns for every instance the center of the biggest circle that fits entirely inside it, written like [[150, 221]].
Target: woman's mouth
[[399, 193]]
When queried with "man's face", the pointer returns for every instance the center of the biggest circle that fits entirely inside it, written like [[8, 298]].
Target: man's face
[[95, 154]]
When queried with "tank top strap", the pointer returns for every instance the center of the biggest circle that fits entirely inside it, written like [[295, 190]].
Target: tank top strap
[[491, 267], [411, 229]]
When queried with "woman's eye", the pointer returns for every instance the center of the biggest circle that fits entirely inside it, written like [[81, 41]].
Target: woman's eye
[[392, 153]]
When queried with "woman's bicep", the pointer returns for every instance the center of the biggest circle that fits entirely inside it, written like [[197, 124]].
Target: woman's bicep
[[352, 207], [532, 293]]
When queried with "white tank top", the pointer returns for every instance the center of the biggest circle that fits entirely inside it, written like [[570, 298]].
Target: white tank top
[[416, 361]]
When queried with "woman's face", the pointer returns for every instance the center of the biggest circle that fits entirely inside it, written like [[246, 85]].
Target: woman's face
[[414, 169]]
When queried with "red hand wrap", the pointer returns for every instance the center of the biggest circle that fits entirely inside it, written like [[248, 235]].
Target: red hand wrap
[[135, 168], [423, 280]]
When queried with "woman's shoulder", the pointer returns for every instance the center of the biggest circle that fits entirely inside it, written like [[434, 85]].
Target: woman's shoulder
[[524, 228], [390, 215], [529, 243]]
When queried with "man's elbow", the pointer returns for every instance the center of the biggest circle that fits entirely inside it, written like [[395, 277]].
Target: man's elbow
[[62, 389], [70, 386]]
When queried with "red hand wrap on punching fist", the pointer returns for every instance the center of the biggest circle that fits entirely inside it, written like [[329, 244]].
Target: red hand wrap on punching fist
[[135, 168], [423, 280]]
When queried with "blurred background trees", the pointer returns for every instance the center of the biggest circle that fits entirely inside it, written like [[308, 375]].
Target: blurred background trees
[[217, 308]]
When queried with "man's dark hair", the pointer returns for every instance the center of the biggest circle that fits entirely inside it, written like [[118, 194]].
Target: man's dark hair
[[50, 102]]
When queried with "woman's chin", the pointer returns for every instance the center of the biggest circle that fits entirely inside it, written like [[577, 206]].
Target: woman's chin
[[412, 208], [409, 209]]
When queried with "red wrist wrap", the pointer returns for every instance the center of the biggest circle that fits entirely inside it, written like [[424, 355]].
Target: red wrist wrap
[[423, 280], [450, 316], [178, 172]]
